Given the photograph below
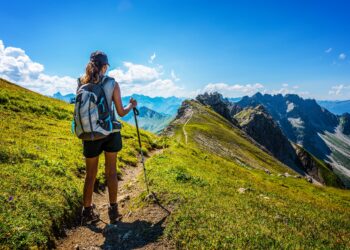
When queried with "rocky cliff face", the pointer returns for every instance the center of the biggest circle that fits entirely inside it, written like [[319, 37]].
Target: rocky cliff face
[[220, 105], [320, 171], [301, 120], [304, 122], [258, 124], [345, 123]]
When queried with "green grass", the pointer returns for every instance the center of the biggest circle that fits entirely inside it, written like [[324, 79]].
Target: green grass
[[42, 170], [42, 166], [274, 211]]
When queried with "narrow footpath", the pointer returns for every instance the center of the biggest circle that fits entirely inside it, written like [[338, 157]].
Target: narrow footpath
[[140, 228], [183, 127]]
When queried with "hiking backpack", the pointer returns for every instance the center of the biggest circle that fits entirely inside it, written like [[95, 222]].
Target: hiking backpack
[[92, 117]]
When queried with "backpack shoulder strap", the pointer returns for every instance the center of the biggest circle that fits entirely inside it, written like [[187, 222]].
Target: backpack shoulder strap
[[78, 84], [104, 80]]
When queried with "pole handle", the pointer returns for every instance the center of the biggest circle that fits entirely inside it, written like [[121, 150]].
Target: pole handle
[[136, 111]]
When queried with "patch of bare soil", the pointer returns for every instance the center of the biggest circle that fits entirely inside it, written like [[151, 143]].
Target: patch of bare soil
[[139, 228]]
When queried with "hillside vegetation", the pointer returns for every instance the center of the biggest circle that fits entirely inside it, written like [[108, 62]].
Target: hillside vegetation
[[42, 166], [225, 191], [231, 194]]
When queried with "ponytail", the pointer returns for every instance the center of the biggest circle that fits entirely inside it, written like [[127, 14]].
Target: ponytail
[[92, 73]]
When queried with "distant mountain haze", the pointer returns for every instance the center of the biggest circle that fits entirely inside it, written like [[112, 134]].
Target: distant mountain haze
[[149, 119], [67, 98], [336, 107], [155, 112], [166, 105]]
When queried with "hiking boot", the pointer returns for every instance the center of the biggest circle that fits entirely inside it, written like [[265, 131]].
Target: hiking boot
[[114, 214], [90, 215]]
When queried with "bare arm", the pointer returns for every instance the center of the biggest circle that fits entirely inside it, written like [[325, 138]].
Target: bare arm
[[118, 102]]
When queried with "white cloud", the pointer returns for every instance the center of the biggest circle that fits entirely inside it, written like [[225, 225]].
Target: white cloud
[[152, 57], [16, 66], [159, 87], [287, 89], [329, 50], [234, 90], [342, 56], [173, 76], [339, 90], [136, 73], [141, 79]]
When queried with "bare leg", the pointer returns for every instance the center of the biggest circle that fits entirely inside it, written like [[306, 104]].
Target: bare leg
[[91, 172], [111, 175]]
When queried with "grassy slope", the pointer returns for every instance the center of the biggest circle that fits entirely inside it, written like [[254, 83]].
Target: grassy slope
[[42, 166], [273, 212]]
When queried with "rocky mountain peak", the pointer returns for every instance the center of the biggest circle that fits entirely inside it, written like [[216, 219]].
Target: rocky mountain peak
[[301, 120], [259, 125], [219, 104]]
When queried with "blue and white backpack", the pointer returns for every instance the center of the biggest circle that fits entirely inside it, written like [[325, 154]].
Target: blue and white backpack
[[92, 115]]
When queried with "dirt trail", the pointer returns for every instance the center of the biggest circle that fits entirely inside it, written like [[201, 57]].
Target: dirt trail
[[140, 228], [183, 127]]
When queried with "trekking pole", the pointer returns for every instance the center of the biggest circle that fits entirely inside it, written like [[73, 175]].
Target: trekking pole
[[136, 113], [151, 195]]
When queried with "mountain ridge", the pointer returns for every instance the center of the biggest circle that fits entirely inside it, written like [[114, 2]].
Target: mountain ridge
[[304, 122], [261, 127]]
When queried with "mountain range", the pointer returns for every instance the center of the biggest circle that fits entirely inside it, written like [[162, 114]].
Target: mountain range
[[306, 123], [256, 121], [292, 119], [169, 106], [165, 105], [284, 124]]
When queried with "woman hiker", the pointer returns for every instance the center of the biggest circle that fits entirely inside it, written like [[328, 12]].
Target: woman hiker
[[111, 145]]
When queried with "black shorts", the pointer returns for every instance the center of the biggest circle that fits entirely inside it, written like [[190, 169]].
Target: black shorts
[[111, 143]]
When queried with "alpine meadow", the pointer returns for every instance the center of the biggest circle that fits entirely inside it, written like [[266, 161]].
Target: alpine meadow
[[223, 189]]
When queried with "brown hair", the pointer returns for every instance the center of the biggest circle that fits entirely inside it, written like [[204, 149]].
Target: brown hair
[[92, 72]]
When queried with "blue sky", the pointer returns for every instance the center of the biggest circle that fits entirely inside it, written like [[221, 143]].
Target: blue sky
[[235, 47]]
